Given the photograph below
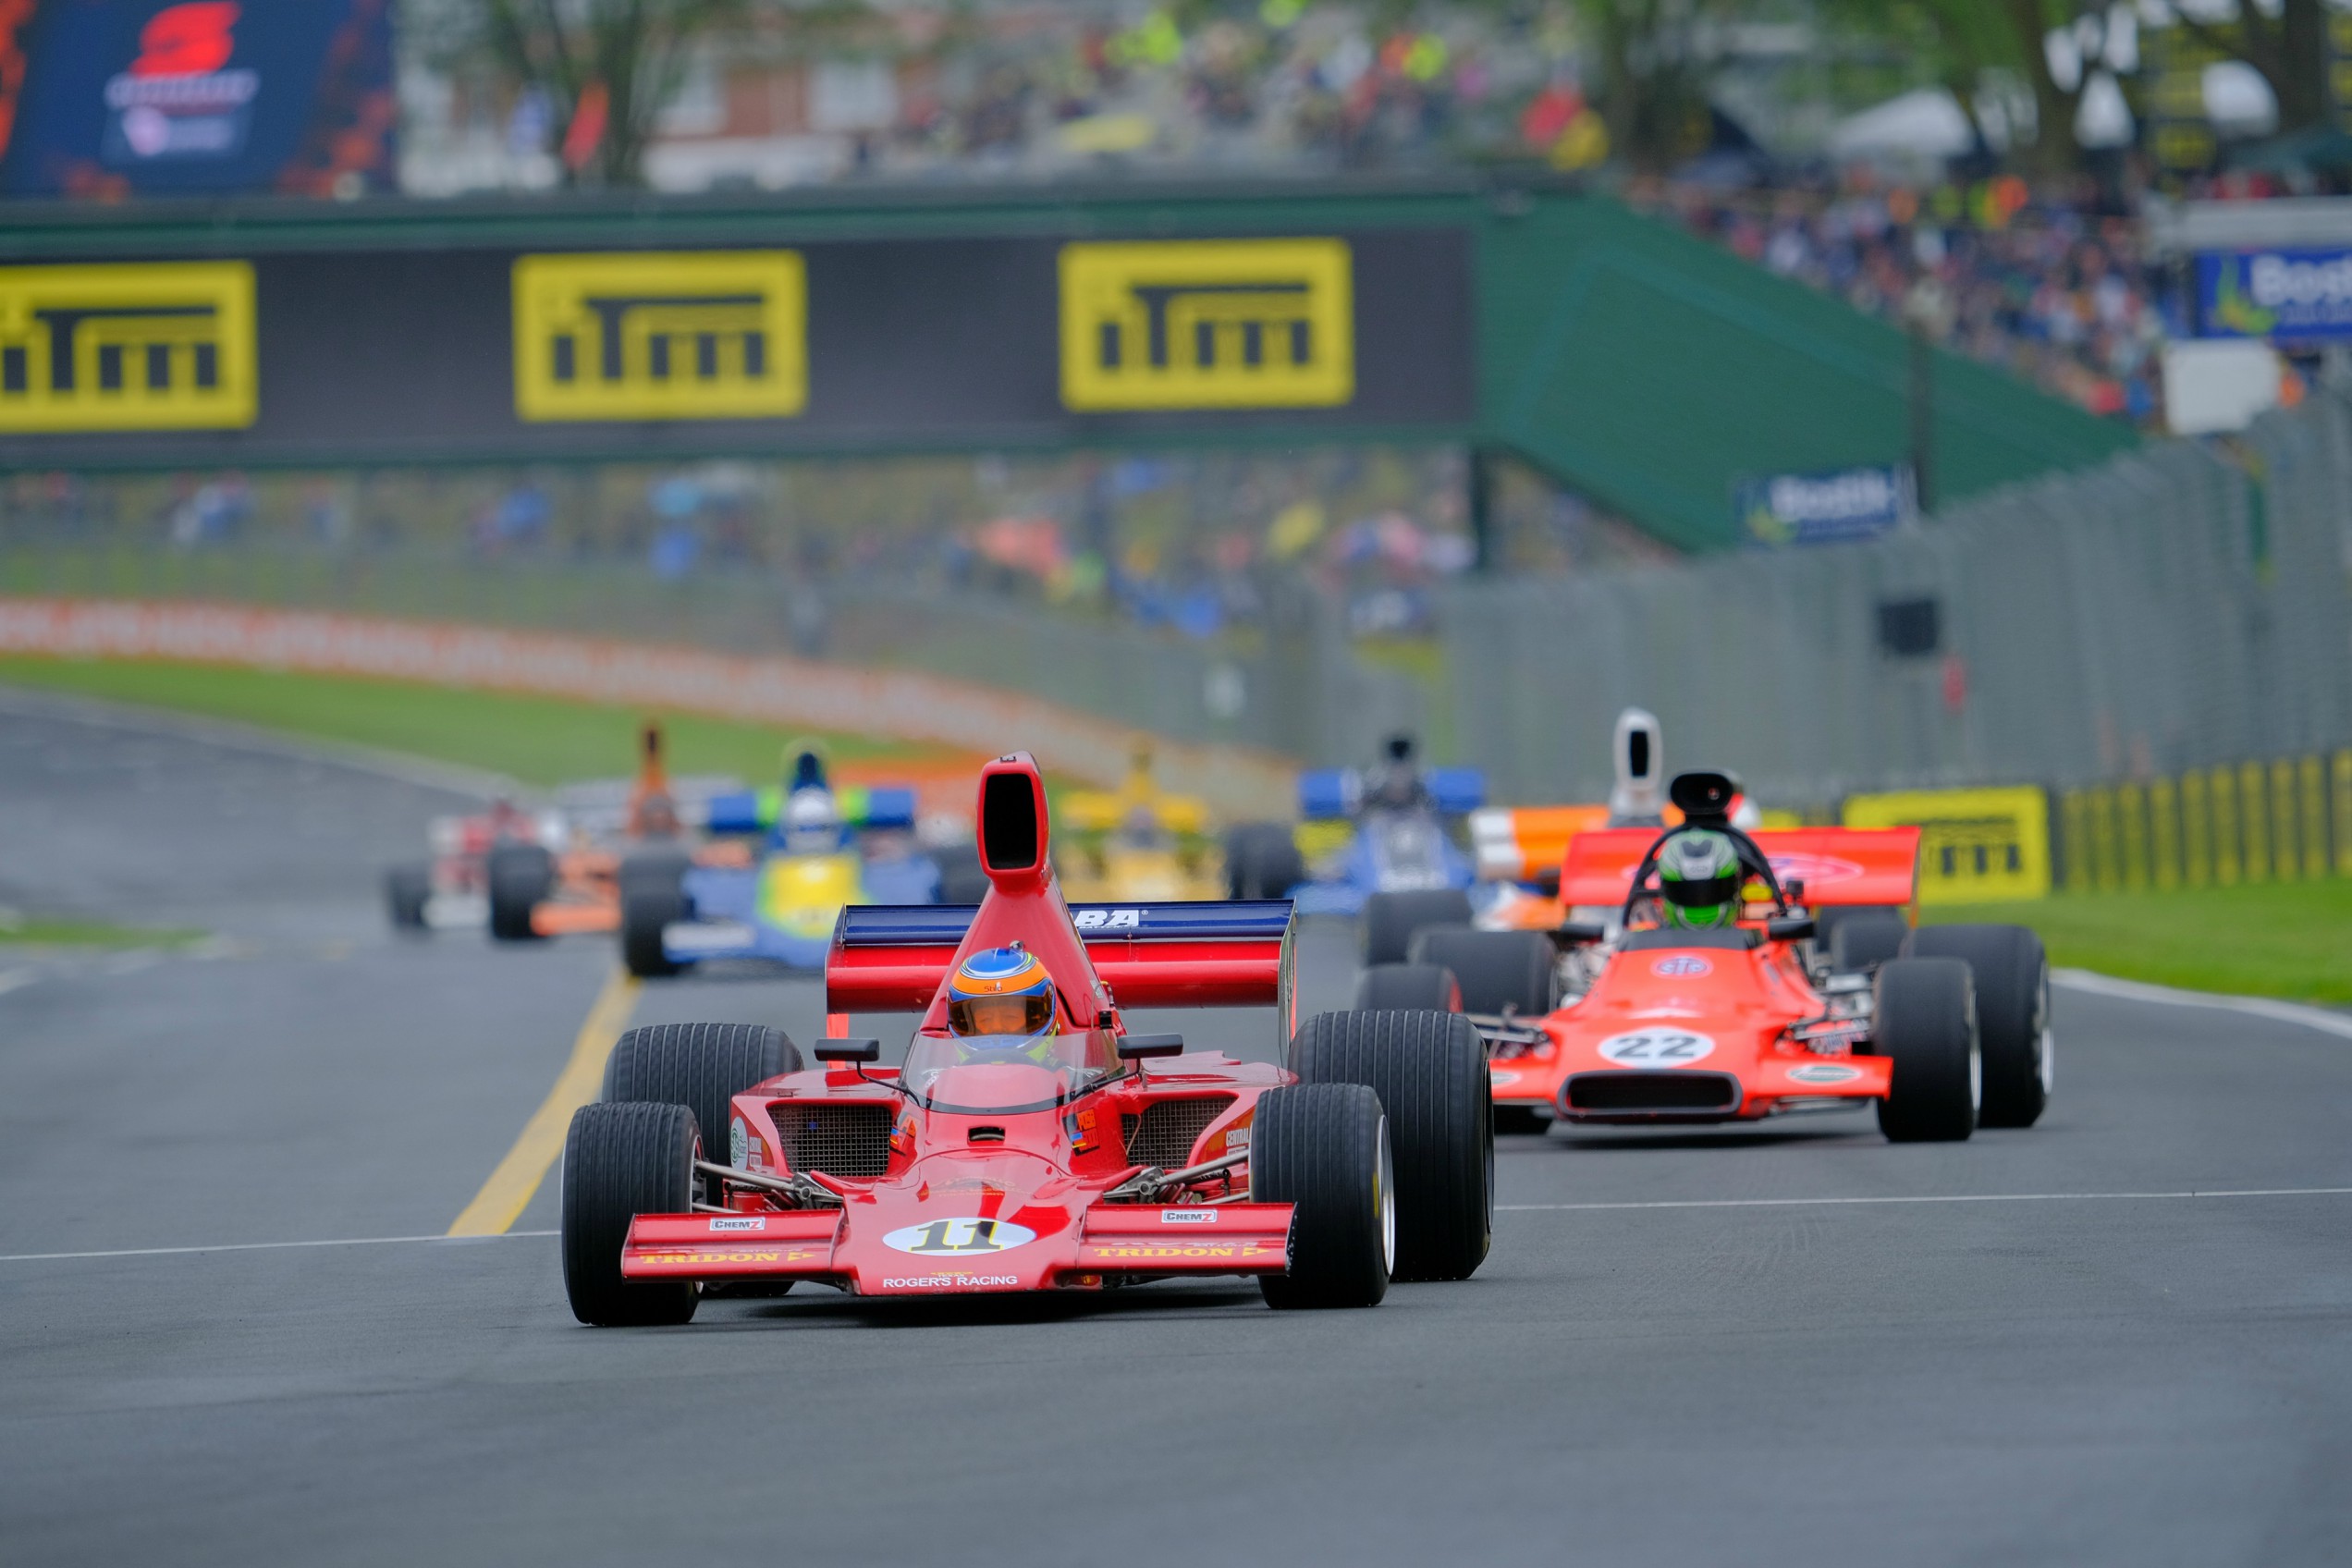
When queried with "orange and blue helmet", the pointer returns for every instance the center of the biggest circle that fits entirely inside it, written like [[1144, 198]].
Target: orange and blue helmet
[[1001, 991]]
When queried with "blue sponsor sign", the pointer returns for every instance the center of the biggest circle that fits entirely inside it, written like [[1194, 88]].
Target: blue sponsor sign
[[2283, 296], [1822, 508], [123, 97]]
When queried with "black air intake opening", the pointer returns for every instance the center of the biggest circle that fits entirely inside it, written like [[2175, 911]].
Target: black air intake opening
[[1009, 822], [1663, 1094]]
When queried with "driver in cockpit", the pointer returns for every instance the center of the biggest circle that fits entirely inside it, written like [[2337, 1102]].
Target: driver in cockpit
[[1001, 1008]]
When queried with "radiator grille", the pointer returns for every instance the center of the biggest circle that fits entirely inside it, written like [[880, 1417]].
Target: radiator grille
[[1653, 1093], [840, 1140], [1164, 1134]]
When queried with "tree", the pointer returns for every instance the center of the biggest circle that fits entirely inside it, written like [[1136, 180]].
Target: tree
[[1967, 39], [1654, 56], [622, 59], [2289, 50]]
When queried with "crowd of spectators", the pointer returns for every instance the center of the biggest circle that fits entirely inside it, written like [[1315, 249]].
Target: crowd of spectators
[[2049, 284]]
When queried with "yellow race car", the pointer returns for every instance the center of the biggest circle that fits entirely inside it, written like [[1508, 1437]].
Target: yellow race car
[[1136, 843]]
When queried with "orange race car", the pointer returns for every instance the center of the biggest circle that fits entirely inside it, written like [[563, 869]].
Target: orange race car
[[1705, 997]]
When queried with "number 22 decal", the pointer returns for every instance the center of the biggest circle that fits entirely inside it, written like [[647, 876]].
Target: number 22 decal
[[1655, 1048]]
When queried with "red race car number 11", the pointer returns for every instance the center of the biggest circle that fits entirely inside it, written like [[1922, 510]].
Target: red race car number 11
[[1655, 1048]]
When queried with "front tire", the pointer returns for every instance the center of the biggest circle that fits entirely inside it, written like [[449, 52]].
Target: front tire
[[2012, 974], [521, 876], [647, 909], [407, 888], [1390, 920], [622, 1161], [1262, 861], [1324, 1147], [1926, 1022], [1429, 1070]]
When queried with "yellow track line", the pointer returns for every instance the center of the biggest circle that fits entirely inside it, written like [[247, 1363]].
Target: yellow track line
[[508, 1191]]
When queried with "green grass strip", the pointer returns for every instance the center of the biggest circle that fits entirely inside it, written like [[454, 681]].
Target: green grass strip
[[2288, 939], [36, 931], [542, 740]]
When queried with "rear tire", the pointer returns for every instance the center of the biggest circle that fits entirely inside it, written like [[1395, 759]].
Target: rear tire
[[622, 1161], [1262, 861], [1421, 988], [700, 1066], [1926, 1022], [521, 876], [1499, 970], [2011, 976], [1391, 919], [647, 907], [1429, 1070], [1866, 938], [1325, 1148], [407, 888], [653, 868]]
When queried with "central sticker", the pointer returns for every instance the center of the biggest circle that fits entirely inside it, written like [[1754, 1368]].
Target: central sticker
[[1655, 1048], [959, 1238], [1681, 966], [1824, 1072]]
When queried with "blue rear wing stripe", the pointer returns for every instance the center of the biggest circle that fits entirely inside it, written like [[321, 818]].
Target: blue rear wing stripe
[[943, 926]]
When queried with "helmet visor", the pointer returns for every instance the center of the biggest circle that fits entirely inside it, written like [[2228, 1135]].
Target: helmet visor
[[1699, 891], [1016, 1014]]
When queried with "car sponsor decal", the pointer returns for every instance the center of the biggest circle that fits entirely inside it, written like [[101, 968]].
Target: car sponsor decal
[[967, 1237], [712, 1255], [1824, 1072], [1105, 1252], [1655, 1048], [1681, 966], [1188, 1217], [747, 1223], [739, 1146], [947, 1282], [1814, 871]]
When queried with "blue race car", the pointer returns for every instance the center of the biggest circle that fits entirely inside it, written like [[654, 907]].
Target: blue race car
[[815, 851], [1402, 840]]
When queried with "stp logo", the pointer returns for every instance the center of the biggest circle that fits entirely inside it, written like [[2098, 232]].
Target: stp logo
[[1681, 966], [190, 40]]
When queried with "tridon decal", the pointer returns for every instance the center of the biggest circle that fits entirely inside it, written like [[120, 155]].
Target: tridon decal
[[1681, 966], [959, 1237], [1207, 324], [1655, 1048], [713, 1255], [646, 335], [1824, 1072], [155, 346], [1103, 1252]]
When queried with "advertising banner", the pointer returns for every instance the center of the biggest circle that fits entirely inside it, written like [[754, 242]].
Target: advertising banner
[[136, 97], [2288, 297], [1976, 846], [1822, 508], [507, 353]]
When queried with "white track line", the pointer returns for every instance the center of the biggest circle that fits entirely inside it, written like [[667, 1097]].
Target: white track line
[[15, 979], [1940, 1198], [261, 1247], [2318, 1018]]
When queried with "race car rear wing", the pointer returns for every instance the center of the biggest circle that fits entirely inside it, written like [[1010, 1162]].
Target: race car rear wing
[[1838, 866], [890, 958]]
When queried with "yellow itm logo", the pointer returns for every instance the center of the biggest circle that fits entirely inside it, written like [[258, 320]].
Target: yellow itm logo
[[1207, 324], [155, 346], [687, 335]]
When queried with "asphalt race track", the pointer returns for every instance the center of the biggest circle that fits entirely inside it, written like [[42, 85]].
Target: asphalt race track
[[1792, 1345]]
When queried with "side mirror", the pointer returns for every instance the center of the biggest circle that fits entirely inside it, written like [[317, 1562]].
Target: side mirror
[[1577, 933], [1134, 1047], [1789, 929], [848, 1050]]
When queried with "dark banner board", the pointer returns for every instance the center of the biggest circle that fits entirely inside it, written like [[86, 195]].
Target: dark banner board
[[116, 98], [899, 344]]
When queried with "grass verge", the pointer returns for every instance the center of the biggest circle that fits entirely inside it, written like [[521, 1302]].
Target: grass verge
[[36, 931], [542, 740], [2285, 939]]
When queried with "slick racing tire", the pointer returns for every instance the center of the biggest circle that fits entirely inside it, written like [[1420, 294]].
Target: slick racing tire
[[646, 909], [620, 1161], [1391, 921], [1499, 970], [521, 876], [1861, 938], [661, 868], [961, 881], [1262, 861], [1423, 987], [1325, 1148], [1926, 1023], [405, 890], [1429, 1070], [700, 1066], [2013, 1013]]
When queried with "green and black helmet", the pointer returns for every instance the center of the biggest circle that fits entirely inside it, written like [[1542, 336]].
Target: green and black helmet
[[1698, 878]]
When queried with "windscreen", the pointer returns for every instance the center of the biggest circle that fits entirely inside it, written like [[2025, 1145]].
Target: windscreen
[[992, 1075]]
